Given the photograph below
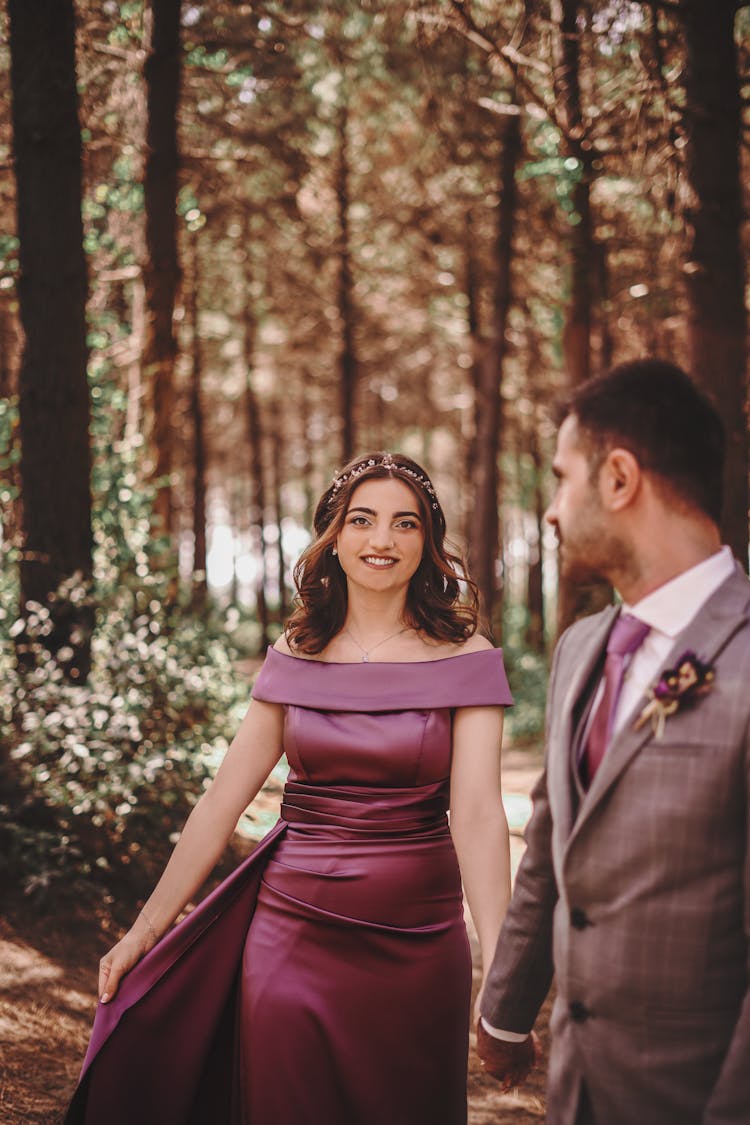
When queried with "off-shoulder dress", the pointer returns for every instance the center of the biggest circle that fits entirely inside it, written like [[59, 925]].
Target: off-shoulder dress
[[327, 980]]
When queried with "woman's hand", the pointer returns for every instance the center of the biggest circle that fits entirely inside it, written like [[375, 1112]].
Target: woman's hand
[[121, 957], [509, 1063]]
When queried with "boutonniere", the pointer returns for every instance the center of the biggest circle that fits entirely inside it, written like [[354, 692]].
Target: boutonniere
[[676, 688]]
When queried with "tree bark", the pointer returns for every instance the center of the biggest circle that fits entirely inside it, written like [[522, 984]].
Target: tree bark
[[277, 476], [484, 547], [347, 351], [200, 580], [715, 272], [258, 504], [577, 331], [161, 271], [307, 466], [473, 326], [257, 474], [576, 601], [535, 628], [53, 389]]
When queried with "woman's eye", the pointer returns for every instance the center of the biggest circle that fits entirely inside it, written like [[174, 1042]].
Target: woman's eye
[[358, 521], [408, 524]]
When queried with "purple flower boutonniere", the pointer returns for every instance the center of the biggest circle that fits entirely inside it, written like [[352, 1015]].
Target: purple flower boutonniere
[[676, 688]]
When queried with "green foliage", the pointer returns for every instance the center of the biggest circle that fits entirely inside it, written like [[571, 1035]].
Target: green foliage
[[8, 254], [105, 773], [527, 672], [9, 449], [98, 778]]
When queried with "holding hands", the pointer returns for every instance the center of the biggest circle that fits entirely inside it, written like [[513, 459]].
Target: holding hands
[[510, 1063]]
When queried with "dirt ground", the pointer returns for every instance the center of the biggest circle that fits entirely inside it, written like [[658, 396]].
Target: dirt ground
[[47, 1001]]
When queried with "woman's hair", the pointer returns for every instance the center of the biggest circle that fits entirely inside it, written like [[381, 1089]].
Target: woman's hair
[[433, 600]]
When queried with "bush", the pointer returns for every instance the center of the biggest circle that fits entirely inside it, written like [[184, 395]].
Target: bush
[[105, 772], [527, 672]]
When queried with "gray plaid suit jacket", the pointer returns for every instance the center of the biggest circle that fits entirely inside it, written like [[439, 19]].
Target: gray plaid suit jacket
[[637, 896]]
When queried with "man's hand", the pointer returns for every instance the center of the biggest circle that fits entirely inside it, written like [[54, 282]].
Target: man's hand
[[510, 1063]]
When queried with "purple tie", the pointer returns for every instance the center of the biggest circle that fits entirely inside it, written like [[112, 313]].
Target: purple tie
[[627, 635]]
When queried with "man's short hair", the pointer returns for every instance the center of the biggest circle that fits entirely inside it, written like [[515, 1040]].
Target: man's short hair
[[653, 409]]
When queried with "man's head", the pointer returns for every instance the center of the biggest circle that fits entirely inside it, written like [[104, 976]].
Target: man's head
[[643, 428]]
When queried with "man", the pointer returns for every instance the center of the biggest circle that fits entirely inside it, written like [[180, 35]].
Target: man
[[635, 885]]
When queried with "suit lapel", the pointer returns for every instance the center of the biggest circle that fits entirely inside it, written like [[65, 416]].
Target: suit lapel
[[562, 776], [716, 622]]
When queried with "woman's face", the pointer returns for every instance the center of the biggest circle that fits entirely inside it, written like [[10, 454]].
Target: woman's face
[[381, 542]]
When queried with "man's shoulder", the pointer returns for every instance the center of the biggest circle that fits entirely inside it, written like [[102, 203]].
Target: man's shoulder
[[585, 628], [736, 589]]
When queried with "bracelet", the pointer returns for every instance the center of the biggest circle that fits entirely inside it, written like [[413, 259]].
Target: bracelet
[[151, 929]]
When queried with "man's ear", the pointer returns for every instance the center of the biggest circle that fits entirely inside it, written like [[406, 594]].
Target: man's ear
[[619, 479]]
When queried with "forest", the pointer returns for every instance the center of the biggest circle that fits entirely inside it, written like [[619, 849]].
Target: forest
[[242, 242]]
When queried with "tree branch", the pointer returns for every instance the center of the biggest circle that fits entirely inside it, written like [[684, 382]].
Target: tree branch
[[580, 147]]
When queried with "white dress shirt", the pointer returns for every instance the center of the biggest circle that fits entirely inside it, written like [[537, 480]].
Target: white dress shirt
[[667, 610]]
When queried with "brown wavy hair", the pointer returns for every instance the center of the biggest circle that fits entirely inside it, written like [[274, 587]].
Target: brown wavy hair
[[434, 603]]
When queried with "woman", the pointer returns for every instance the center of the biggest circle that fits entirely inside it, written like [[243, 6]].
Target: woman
[[327, 980]]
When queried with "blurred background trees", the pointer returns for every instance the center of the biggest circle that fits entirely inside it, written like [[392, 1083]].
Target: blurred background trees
[[243, 241]]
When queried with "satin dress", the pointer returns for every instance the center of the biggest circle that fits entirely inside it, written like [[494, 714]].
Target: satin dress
[[327, 980]]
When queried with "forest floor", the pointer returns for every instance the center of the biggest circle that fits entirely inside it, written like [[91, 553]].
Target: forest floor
[[47, 1000]]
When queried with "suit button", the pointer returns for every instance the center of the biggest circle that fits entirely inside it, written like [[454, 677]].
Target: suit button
[[579, 1013], [579, 919]]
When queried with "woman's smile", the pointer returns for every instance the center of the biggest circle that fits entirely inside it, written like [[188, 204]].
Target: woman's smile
[[382, 531]]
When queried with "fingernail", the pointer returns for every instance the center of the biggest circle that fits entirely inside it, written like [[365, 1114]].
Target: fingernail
[[105, 998]]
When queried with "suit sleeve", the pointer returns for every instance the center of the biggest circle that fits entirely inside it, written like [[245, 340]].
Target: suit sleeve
[[522, 968], [729, 1103]]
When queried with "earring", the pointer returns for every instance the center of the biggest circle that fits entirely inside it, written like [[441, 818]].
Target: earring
[[335, 551]]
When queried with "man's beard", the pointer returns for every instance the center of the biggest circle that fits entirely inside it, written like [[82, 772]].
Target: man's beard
[[597, 558]]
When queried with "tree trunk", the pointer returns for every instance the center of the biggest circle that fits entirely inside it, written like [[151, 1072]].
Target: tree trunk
[[277, 477], [576, 601], [484, 547], [577, 331], [161, 266], [256, 466], [307, 466], [535, 629], [715, 272], [471, 285], [606, 342], [200, 582], [53, 390], [347, 354], [258, 504]]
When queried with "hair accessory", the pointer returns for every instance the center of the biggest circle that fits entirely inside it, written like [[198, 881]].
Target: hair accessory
[[386, 462]]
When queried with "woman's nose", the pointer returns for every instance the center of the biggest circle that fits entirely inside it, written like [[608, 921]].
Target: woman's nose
[[381, 536]]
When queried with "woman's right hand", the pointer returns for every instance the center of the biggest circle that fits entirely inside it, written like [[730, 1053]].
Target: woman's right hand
[[121, 958]]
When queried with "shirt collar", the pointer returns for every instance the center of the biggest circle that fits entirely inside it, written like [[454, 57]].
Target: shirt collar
[[671, 607]]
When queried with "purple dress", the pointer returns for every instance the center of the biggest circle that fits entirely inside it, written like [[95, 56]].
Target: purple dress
[[327, 980]]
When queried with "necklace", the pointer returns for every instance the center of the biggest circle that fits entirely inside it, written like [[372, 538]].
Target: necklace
[[366, 651]]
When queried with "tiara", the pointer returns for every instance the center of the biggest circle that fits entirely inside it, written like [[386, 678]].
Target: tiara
[[385, 462]]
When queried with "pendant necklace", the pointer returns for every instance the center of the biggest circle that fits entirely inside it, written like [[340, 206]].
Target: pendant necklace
[[366, 651]]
